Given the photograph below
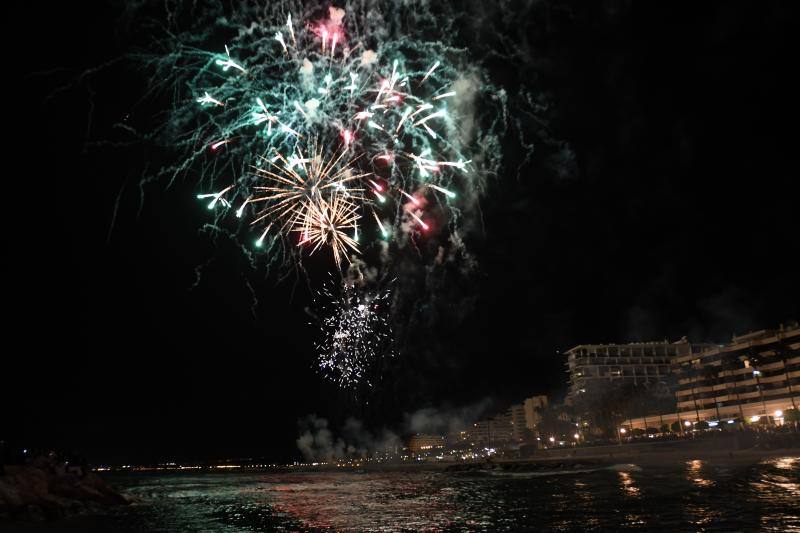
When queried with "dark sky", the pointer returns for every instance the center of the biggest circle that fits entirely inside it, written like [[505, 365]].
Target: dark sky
[[677, 217]]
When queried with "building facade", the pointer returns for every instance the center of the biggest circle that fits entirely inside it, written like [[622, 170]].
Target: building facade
[[533, 408], [754, 375], [422, 443], [518, 424], [496, 430], [593, 368], [519, 429]]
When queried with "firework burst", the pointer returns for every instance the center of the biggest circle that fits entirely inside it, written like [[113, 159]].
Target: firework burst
[[325, 222], [355, 335], [355, 131], [317, 198], [392, 124]]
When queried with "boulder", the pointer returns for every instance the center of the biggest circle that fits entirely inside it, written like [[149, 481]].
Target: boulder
[[42, 489]]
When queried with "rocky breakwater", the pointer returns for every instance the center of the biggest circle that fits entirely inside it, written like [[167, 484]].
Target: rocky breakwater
[[44, 489]]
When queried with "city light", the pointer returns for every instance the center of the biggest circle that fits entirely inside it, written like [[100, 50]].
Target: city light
[[755, 418], [577, 436], [778, 413], [623, 430], [552, 439], [687, 423]]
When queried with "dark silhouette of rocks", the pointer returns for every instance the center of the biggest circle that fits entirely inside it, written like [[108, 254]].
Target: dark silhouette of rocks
[[46, 489]]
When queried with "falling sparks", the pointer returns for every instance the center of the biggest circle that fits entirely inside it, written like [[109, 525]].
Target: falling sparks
[[355, 335], [208, 99], [419, 220], [229, 63], [279, 38], [430, 71], [216, 197], [218, 144], [384, 233], [413, 199], [445, 95], [449, 194], [347, 137]]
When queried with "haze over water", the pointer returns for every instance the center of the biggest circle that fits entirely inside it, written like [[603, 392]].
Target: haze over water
[[682, 495]]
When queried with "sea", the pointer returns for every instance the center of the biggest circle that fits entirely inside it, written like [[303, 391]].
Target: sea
[[693, 495]]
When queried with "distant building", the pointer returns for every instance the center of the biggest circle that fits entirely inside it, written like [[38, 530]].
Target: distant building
[[533, 408], [594, 367], [517, 424], [479, 432], [519, 429], [501, 427], [496, 430], [423, 443]]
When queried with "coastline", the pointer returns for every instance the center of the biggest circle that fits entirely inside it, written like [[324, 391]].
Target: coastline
[[595, 458]]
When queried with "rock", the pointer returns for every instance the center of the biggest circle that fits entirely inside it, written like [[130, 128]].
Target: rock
[[43, 489]]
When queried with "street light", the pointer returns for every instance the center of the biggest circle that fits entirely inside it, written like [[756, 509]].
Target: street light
[[576, 436], [623, 430], [778, 413], [687, 423]]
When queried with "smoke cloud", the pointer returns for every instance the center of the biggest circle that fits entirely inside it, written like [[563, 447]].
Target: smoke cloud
[[318, 443]]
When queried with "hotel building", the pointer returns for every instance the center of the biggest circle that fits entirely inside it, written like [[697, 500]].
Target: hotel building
[[422, 443], [755, 375], [594, 368]]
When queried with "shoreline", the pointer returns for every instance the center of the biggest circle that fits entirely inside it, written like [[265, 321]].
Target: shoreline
[[654, 458], [602, 458]]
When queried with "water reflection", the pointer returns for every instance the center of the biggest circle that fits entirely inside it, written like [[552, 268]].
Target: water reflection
[[786, 463], [586, 500], [680, 496], [694, 469], [628, 485], [363, 501], [784, 475]]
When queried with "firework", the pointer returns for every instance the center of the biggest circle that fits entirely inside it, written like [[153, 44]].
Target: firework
[[336, 132], [322, 222], [355, 335], [391, 124], [317, 198]]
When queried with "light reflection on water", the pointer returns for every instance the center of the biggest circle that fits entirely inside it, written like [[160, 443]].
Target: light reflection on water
[[695, 469], [693, 495], [628, 485]]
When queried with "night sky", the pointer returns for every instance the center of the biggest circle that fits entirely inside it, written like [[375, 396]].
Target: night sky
[[663, 203]]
